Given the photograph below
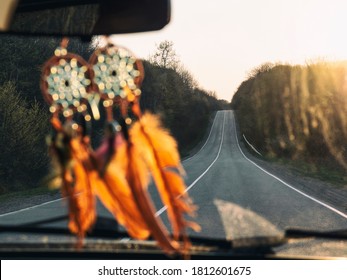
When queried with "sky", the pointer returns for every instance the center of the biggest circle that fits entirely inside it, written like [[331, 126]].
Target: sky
[[221, 41]]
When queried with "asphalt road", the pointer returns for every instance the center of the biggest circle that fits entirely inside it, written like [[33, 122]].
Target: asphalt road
[[236, 198]]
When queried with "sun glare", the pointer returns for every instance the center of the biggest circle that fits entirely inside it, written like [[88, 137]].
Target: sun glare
[[235, 36]]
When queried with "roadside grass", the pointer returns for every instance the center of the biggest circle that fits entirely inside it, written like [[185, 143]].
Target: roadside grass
[[44, 190], [326, 173], [186, 151], [195, 145]]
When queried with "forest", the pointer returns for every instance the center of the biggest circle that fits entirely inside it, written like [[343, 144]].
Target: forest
[[297, 113], [168, 90]]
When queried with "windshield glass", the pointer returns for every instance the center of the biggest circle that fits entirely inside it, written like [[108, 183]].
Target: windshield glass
[[254, 93]]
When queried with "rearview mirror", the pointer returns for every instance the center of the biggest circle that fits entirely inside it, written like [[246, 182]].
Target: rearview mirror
[[86, 17]]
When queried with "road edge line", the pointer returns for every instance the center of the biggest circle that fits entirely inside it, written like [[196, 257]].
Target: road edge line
[[283, 182], [214, 120], [163, 209], [31, 207], [159, 212]]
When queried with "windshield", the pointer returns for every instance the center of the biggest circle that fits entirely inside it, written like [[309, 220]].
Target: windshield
[[253, 92]]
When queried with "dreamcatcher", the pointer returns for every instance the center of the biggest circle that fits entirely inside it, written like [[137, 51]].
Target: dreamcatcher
[[134, 146], [65, 86]]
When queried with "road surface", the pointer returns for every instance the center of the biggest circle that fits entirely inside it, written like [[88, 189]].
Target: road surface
[[236, 197]]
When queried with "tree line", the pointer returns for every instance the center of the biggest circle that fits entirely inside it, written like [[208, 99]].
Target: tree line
[[168, 89], [296, 112]]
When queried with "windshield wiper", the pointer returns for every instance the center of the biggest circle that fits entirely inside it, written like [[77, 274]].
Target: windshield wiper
[[103, 228], [303, 233]]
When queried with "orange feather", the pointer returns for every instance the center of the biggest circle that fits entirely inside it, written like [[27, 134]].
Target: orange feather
[[137, 175], [71, 156], [159, 150], [113, 188], [116, 195], [81, 198]]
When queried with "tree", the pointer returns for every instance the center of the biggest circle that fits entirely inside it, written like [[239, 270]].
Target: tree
[[296, 112], [263, 68], [165, 56], [187, 77], [23, 128]]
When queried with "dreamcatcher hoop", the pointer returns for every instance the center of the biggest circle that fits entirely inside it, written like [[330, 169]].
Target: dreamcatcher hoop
[[66, 82], [115, 72]]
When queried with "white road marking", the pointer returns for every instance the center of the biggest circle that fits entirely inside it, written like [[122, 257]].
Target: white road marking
[[286, 184], [163, 209], [187, 159], [31, 207], [249, 144], [45, 203]]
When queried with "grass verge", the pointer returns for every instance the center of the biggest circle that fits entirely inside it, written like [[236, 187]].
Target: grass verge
[[27, 193], [335, 176]]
